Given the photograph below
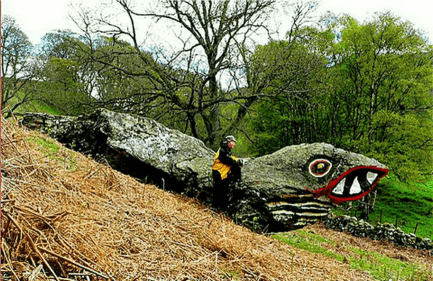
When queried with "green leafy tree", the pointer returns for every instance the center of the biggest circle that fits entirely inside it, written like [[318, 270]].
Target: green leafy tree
[[65, 78], [371, 92], [293, 73], [384, 72], [17, 67]]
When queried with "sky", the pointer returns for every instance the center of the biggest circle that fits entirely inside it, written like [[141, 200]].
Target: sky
[[38, 17]]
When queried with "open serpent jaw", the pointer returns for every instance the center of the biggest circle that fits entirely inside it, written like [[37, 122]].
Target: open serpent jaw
[[308, 206]]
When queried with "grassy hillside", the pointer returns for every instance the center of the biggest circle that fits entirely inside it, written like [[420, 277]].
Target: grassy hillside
[[408, 204], [65, 214], [32, 106], [382, 260], [403, 204]]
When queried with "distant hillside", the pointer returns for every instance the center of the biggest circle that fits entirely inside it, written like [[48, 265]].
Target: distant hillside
[[35, 105], [65, 215]]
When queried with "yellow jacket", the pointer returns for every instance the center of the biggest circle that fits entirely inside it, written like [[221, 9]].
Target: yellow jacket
[[224, 169]]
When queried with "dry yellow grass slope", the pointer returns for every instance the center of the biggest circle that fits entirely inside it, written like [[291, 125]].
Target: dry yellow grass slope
[[65, 214]]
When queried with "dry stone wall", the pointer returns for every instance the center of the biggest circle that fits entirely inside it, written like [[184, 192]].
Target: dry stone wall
[[361, 228]]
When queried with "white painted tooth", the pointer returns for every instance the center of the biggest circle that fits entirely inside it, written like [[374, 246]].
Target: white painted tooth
[[356, 187], [339, 189], [371, 177]]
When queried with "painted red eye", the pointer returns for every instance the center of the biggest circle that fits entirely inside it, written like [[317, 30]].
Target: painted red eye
[[320, 167]]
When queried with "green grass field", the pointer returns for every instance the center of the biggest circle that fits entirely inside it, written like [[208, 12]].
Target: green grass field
[[404, 204], [408, 204], [32, 106]]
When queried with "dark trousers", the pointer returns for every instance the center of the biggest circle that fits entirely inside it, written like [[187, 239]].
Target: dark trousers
[[222, 186], [220, 190]]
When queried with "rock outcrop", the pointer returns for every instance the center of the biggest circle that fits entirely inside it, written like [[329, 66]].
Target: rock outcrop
[[280, 191]]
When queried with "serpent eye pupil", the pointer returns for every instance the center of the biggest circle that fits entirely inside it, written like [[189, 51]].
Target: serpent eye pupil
[[320, 167]]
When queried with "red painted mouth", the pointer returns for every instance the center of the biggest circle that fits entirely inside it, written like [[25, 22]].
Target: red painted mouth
[[353, 184]]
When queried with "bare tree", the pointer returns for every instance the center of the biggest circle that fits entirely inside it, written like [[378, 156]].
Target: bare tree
[[187, 80], [203, 71]]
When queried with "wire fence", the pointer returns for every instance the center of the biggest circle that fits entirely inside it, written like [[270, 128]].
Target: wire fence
[[377, 214]]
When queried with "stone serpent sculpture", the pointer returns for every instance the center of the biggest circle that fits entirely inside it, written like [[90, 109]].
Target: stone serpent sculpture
[[284, 190]]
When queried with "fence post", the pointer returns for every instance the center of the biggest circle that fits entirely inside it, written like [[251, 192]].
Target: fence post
[[380, 218], [416, 228], [367, 211]]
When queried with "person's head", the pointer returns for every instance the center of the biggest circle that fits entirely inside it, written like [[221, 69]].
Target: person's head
[[231, 141]]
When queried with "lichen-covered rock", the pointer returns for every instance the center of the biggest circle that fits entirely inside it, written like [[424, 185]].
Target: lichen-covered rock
[[139, 146], [280, 191]]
